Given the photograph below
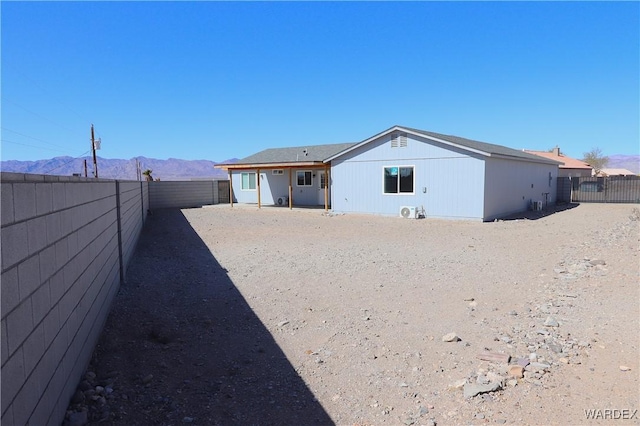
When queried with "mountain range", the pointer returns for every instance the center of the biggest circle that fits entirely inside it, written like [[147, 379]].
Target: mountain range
[[170, 169], [176, 169]]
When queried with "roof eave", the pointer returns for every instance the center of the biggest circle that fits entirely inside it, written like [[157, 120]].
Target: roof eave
[[529, 160], [275, 165]]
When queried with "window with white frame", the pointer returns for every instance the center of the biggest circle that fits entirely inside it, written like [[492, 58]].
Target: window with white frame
[[303, 178], [398, 180], [249, 181]]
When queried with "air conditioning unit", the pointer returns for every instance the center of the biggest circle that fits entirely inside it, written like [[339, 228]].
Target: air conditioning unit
[[408, 212], [282, 201]]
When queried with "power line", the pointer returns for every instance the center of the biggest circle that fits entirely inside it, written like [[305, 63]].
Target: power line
[[36, 114], [31, 146], [31, 137], [70, 161], [48, 93]]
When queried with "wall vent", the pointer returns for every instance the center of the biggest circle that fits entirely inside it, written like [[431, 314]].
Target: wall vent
[[399, 140]]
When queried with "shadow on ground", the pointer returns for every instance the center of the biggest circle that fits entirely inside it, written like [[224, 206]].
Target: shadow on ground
[[181, 344], [534, 215]]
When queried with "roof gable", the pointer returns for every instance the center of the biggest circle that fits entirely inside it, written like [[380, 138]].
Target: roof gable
[[483, 148]]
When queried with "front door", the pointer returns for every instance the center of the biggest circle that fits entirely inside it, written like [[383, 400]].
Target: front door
[[322, 182]]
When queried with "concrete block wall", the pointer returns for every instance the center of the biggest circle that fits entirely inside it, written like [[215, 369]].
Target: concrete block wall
[[183, 194], [133, 205], [65, 244]]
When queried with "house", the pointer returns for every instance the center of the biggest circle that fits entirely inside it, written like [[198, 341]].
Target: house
[[615, 172], [570, 167], [445, 176]]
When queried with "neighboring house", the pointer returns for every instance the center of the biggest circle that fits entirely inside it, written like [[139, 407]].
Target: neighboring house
[[615, 172], [570, 167], [447, 176]]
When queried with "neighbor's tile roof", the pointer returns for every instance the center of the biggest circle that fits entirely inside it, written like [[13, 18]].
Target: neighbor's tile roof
[[296, 154], [569, 163], [616, 172]]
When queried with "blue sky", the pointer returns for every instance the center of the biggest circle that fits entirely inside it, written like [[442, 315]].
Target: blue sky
[[217, 80]]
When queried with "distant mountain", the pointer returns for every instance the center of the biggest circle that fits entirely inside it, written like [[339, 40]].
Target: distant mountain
[[171, 169], [629, 162]]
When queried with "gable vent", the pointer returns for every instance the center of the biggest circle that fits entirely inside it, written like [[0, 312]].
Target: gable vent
[[399, 140]]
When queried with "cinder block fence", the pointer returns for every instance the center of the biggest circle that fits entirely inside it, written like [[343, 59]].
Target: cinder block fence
[[66, 243]]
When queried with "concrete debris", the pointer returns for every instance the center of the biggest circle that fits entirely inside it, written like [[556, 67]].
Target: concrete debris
[[473, 389], [538, 367], [494, 357]]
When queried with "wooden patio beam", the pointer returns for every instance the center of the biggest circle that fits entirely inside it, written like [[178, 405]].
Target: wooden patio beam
[[326, 188], [230, 189], [290, 191], [258, 186]]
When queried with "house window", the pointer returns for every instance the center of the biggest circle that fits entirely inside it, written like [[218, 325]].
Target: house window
[[303, 177], [398, 180], [248, 181]]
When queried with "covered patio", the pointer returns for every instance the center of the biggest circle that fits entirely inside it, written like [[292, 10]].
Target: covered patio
[[296, 176], [288, 169]]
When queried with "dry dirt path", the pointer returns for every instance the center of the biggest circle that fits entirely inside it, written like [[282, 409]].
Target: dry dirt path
[[272, 316]]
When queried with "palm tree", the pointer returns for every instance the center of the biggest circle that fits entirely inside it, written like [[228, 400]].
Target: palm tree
[[147, 173]]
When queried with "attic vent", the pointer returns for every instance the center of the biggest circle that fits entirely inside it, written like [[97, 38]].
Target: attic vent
[[399, 140]]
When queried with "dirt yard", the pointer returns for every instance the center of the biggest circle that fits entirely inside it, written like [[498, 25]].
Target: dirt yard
[[271, 316]]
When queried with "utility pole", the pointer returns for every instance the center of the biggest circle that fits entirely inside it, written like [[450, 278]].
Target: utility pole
[[85, 167], [93, 148]]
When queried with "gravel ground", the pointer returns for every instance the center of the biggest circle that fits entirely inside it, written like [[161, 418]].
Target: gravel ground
[[272, 316]]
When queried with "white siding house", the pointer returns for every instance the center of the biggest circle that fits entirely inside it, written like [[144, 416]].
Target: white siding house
[[445, 176]]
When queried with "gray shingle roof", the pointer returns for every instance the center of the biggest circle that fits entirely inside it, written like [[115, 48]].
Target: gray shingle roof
[[482, 147], [319, 153], [479, 146], [296, 154]]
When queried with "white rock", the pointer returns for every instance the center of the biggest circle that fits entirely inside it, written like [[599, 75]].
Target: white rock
[[551, 322], [451, 337], [458, 384]]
